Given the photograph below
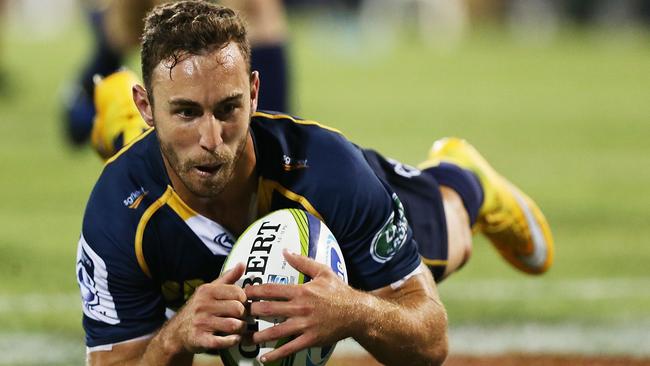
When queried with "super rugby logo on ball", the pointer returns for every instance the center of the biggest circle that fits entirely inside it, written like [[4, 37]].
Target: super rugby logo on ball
[[260, 249]]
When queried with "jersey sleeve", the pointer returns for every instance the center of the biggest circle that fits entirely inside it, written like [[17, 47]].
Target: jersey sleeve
[[120, 302], [368, 221]]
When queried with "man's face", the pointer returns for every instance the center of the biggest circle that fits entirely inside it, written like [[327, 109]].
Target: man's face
[[202, 112]]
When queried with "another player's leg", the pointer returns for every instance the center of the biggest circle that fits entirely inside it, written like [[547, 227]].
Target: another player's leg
[[116, 28], [79, 110], [510, 219], [268, 37]]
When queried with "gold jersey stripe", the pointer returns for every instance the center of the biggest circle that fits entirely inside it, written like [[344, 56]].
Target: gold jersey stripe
[[180, 207], [139, 233], [128, 146], [294, 120], [434, 262], [265, 194]]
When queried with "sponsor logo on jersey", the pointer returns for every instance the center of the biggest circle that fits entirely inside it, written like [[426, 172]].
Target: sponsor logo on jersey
[[85, 272], [135, 198], [214, 236], [224, 240], [404, 170], [390, 238], [92, 277], [289, 163]]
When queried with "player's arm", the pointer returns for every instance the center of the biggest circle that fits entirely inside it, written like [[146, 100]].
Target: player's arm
[[411, 312], [406, 325], [211, 319]]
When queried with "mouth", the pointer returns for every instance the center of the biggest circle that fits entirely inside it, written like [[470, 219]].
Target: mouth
[[208, 169]]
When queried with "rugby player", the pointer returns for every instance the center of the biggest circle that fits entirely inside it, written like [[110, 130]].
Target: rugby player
[[168, 207]]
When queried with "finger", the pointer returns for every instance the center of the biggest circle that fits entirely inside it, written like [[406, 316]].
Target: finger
[[305, 265], [214, 291], [278, 309], [229, 292], [224, 326], [295, 345], [231, 276], [211, 341], [271, 291], [285, 329], [227, 308]]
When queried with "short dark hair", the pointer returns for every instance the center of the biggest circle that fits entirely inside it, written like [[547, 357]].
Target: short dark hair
[[180, 29]]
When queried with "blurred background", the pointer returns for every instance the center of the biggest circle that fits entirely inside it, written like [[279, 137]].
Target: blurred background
[[556, 95]]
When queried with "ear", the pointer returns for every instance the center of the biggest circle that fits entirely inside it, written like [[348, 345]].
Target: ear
[[141, 100], [255, 89]]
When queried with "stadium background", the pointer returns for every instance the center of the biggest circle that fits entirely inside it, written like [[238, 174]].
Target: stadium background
[[559, 106]]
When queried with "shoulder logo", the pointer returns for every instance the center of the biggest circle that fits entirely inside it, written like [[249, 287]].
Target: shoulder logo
[[135, 198], [289, 163], [390, 238]]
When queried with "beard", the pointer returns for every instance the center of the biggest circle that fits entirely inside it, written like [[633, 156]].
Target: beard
[[205, 185]]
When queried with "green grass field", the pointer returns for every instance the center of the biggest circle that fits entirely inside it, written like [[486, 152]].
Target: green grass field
[[568, 122]]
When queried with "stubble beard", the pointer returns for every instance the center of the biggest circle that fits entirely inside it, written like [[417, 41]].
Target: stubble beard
[[205, 188]]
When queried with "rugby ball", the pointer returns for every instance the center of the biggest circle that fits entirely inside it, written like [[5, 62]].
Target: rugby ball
[[260, 249]]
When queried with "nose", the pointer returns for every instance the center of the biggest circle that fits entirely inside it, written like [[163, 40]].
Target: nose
[[210, 133]]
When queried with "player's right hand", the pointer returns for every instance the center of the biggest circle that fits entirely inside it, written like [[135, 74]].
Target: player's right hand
[[213, 317]]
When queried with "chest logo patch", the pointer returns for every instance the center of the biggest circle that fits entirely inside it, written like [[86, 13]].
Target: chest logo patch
[[289, 163], [224, 240]]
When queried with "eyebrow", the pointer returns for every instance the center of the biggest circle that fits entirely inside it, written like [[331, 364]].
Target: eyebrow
[[186, 102], [182, 101]]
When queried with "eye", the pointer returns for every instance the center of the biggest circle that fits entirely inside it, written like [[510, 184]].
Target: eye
[[226, 110], [187, 113]]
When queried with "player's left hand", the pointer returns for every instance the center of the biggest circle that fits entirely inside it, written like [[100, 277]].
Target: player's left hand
[[318, 313]]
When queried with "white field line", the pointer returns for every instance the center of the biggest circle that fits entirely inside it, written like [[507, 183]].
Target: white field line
[[496, 290], [569, 339], [35, 303], [23, 348], [630, 339]]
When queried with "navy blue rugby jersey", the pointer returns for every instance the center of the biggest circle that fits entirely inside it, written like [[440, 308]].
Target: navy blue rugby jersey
[[142, 250]]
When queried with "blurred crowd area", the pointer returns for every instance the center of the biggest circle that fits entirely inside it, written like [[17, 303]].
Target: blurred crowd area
[[438, 23], [430, 16]]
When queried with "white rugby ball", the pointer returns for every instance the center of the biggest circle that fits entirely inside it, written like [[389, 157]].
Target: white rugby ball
[[260, 249]]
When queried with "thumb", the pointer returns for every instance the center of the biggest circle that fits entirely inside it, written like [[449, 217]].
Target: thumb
[[232, 275]]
